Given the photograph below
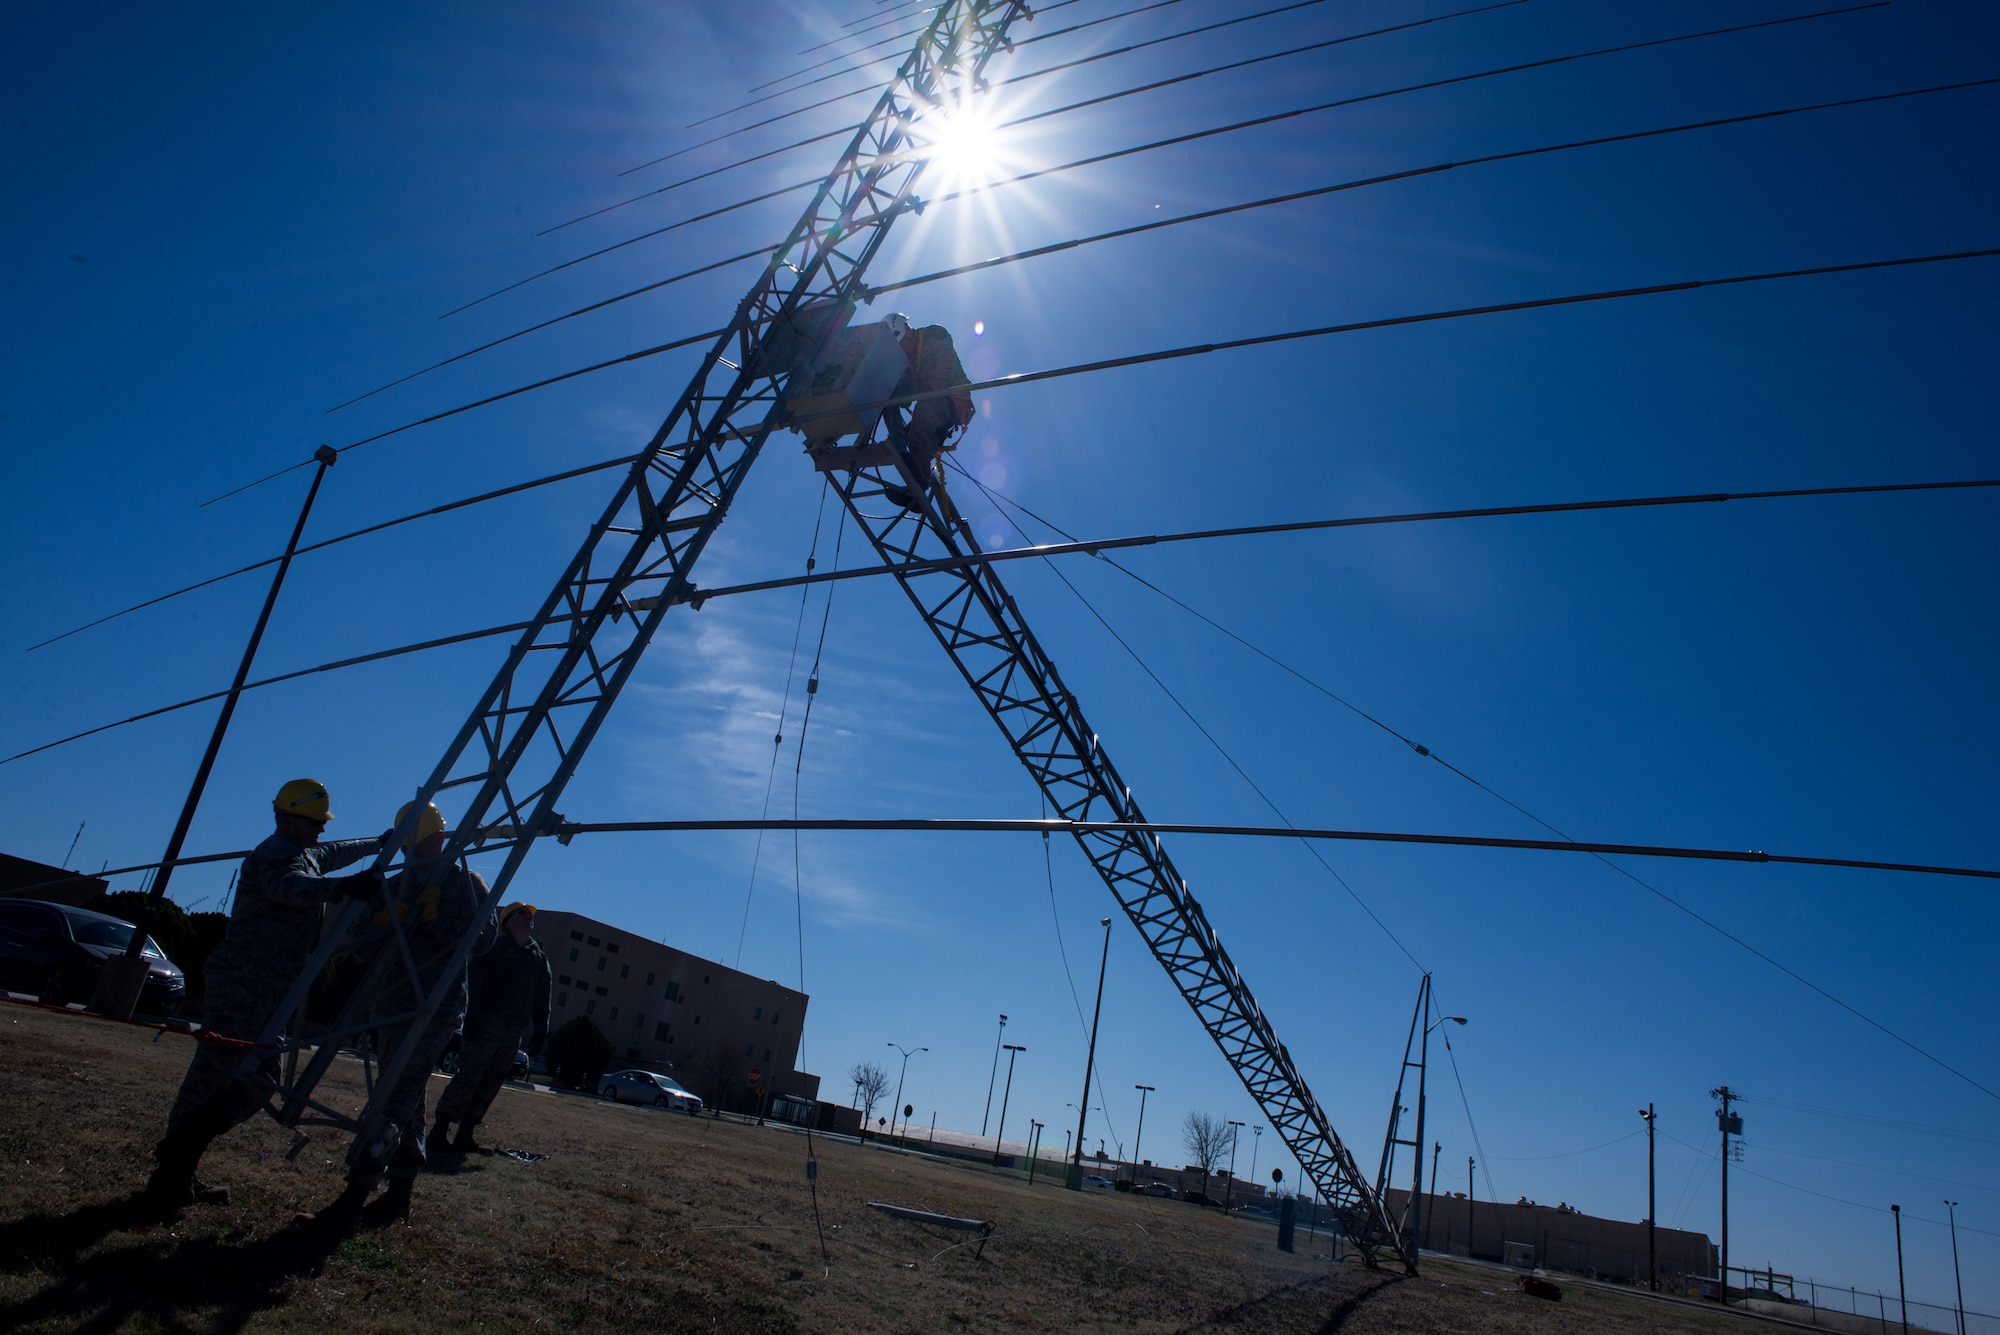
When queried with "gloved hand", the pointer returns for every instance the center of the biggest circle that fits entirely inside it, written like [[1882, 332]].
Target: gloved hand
[[361, 885], [388, 838], [535, 1043]]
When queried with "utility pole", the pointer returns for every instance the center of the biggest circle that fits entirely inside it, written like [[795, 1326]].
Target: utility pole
[[1144, 1090], [1951, 1209], [1075, 1178], [1013, 1050], [1034, 1148], [1902, 1294], [1230, 1181], [1652, 1210], [1255, 1145], [1437, 1148], [1471, 1200], [1729, 1124], [997, 1040], [123, 978]]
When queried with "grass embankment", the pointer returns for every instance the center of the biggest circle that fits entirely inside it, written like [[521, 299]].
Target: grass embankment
[[639, 1221]]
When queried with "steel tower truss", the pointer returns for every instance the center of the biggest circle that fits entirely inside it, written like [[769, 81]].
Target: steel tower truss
[[518, 750], [977, 622], [531, 727]]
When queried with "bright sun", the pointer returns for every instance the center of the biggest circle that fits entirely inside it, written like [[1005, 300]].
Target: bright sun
[[964, 145]]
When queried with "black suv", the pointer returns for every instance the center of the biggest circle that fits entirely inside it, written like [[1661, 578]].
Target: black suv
[[56, 952]]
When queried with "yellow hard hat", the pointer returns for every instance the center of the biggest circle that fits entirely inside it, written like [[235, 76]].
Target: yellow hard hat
[[518, 906], [429, 823], [303, 797]]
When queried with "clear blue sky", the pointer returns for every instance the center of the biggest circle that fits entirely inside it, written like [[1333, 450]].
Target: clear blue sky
[[223, 221]]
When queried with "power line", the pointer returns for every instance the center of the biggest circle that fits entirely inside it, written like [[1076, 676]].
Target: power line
[[1570, 1154], [495, 836], [1390, 322], [435, 510], [1057, 247], [1199, 349], [1872, 1119], [1183, 138], [698, 596], [1434, 169]]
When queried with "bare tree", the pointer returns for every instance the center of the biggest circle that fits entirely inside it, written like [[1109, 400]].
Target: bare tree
[[1206, 1139], [720, 1068], [871, 1082]]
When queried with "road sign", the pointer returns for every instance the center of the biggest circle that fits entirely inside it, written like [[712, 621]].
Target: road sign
[[755, 1077]]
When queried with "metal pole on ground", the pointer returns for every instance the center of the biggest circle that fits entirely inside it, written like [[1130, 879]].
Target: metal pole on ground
[[998, 1039], [123, 978], [1652, 1250], [1074, 1180], [1951, 1209], [999, 1132], [1902, 1294]]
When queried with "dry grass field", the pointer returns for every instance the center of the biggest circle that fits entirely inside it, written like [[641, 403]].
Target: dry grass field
[[641, 1221]]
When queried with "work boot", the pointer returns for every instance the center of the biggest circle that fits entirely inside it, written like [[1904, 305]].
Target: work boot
[[340, 1214], [173, 1186], [439, 1140], [391, 1206], [463, 1143]]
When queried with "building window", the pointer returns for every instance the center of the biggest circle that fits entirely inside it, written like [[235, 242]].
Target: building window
[[673, 991], [624, 971], [589, 1008], [562, 998], [660, 1032], [697, 1019], [602, 991], [572, 954], [614, 1014], [591, 941], [757, 1014], [704, 980], [774, 1017], [563, 979], [767, 1054], [639, 1021], [601, 962], [611, 946], [649, 980], [576, 936], [749, 1049]]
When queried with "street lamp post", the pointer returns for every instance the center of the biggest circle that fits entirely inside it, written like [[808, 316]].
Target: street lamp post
[[907, 1052], [1230, 1181], [1951, 1209], [1034, 1148], [1144, 1090], [1013, 1050], [1255, 1145], [1652, 1253], [1089, 1062], [991, 1075]]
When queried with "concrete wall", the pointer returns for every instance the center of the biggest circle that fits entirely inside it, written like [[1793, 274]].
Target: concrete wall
[[665, 1009]]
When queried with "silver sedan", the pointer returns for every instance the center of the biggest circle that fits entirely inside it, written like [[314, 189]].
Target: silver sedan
[[661, 1091]]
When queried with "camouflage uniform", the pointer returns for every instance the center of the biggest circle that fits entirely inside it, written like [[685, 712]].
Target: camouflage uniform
[[273, 927], [437, 907], [510, 997], [934, 365]]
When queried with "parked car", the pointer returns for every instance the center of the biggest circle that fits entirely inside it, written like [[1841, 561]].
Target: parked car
[[55, 952], [1097, 1180], [662, 1091], [1156, 1189], [1199, 1198]]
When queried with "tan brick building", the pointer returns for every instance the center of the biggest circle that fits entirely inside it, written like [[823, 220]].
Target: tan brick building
[[667, 1010]]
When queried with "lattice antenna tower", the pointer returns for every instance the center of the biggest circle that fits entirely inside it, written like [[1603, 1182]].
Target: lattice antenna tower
[[532, 726]]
